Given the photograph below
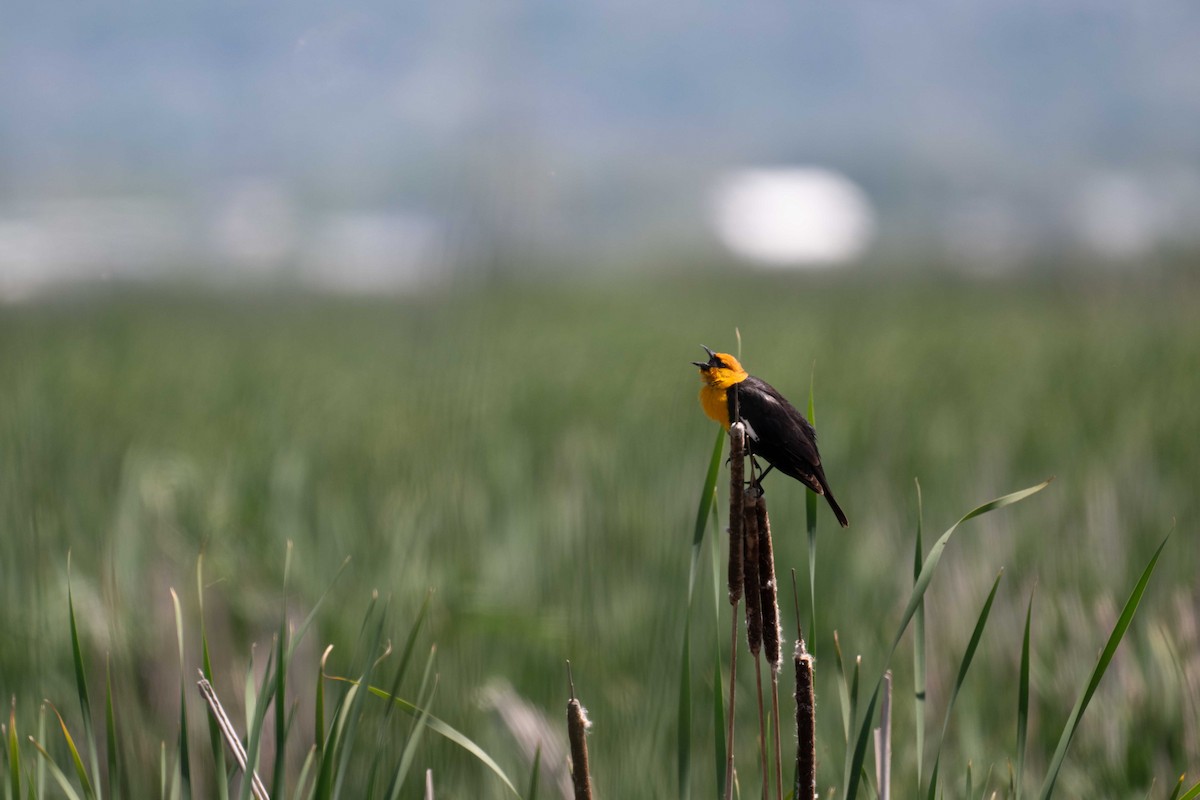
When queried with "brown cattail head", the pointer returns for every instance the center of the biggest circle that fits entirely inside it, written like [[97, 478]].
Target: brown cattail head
[[750, 573], [577, 728], [770, 592], [737, 474], [806, 726]]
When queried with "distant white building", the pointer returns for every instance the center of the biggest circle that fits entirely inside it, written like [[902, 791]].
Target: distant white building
[[801, 217]]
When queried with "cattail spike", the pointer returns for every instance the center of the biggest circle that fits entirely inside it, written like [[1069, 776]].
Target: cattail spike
[[577, 728], [750, 573], [806, 726], [769, 590], [737, 474]]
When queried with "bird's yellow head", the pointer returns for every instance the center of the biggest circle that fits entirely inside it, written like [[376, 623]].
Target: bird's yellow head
[[721, 370]]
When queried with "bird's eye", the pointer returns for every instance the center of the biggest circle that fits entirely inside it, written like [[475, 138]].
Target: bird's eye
[[722, 364]]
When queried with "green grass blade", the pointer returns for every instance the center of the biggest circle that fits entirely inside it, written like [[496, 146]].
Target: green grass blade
[[85, 705], [258, 701], [683, 738], [919, 681], [414, 739], [683, 753], [298, 635], [718, 677], [40, 770], [184, 762], [111, 741], [355, 708], [535, 776], [279, 775], [305, 769], [968, 656], [1106, 657], [851, 713], [1023, 703], [214, 733], [1192, 793], [81, 773], [14, 754], [319, 703], [409, 645], [810, 524], [442, 729], [918, 593], [708, 495], [63, 782], [843, 688]]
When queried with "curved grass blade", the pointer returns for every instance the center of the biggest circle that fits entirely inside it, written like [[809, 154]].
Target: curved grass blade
[[976, 635], [410, 748], [1106, 657], [409, 645], [112, 743], [184, 763], [14, 753], [259, 704], [439, 727], [683, 754], [718, 677], [1023, 702], [282, 641], [1190, 794], [355, 705], [80, 771], [919, 587], [63, 783], [85, 705]]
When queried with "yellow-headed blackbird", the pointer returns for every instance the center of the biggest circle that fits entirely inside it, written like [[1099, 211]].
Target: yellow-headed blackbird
[[775, 430]]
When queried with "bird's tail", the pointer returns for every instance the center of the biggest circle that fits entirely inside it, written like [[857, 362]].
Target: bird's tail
[[837, 510]]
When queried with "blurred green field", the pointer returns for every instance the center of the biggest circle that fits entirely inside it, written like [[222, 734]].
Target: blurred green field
[[535, 455]]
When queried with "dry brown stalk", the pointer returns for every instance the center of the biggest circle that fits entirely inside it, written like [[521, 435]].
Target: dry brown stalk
[[230, 735]]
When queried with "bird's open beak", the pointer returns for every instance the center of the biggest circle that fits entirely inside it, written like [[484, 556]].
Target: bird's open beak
[[709, 363]]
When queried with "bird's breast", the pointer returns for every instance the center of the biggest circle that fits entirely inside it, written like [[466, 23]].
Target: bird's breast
[[715, 405]]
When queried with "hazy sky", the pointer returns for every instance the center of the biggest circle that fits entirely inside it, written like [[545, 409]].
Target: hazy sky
[[596, 115]]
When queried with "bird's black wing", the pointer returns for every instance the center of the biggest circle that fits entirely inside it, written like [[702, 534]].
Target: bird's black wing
[[778, 432]]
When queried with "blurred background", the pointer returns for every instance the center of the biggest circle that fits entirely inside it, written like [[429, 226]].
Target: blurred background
[[418, 285], [387, 146]]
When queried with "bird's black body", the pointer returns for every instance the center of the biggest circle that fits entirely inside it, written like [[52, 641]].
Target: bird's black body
[[779, 434]]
